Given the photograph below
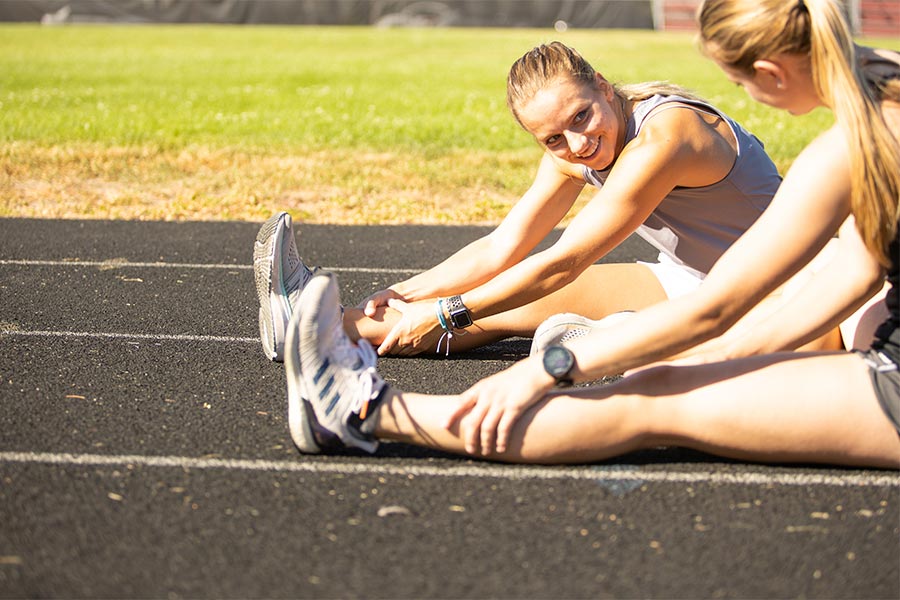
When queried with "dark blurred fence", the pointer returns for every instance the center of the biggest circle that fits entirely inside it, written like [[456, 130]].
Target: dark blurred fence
[[868, 17], [448, 13]]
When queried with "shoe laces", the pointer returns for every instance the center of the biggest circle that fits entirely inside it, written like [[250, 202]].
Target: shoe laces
[[361, 358], [292, 256]]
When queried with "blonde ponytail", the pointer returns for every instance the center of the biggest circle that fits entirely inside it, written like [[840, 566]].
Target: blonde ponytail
[[642, 91], [739, 32]]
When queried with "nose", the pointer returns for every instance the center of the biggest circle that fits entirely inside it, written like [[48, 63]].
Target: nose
[[578, 142]]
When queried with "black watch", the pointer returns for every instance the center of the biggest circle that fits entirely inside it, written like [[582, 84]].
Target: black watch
[[460, 317], [559, 362]]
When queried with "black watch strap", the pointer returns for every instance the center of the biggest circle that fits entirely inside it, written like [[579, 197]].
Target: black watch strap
[[460, 317]]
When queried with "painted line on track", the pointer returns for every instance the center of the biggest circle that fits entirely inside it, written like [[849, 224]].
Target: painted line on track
[[156, 337], [116, 264], [132, 336], [515, 473]]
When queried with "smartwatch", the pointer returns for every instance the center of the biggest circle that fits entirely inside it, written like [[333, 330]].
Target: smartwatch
[[460, 317], [559, 362]]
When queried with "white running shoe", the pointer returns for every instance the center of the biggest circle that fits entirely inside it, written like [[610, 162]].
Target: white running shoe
[[280, 277], [565, 327], [333, 388]]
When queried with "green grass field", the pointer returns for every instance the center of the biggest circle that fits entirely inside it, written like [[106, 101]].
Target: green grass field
[[345, 125]]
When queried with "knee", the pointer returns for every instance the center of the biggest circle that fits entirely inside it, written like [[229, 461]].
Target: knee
[[661, 397], [652, 381]]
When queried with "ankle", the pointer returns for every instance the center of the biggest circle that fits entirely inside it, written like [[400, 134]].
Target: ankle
[[358, 326]]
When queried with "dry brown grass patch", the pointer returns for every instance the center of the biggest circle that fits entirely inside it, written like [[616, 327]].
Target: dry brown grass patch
[[198, 183]]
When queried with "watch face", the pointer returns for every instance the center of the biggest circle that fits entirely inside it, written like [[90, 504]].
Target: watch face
[[558, 361], [461, 320]]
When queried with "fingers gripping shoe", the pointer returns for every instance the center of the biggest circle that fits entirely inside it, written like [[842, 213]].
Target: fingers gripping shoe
[[333, 388], [280, 276], [565, 327]]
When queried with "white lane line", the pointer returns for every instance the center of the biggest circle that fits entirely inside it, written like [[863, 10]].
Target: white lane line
[[132, 336], [157, 337], [116, 264], [515, 473]]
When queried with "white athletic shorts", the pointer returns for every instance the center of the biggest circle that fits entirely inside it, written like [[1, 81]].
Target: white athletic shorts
[[676, 280]]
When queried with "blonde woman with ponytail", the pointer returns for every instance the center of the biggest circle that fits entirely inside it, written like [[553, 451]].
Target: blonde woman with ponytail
[[751, 400]]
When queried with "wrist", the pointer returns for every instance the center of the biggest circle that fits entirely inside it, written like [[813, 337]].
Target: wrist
[[457, 313], [542, 382], [559, 365], [402, 291], [441, 314]]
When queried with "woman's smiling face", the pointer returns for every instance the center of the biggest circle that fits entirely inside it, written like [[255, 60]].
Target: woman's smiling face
[[576, 122]]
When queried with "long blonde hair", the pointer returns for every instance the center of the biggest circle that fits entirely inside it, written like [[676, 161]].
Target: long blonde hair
[[546, 63], [739, 32]]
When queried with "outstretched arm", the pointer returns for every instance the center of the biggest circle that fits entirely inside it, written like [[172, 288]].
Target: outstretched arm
[[540, 209], [849, 278]]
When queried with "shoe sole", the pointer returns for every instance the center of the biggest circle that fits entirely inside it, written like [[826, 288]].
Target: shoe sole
[[270, 285], [300, 421]]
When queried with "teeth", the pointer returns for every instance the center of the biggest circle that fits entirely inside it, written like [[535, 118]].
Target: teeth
[[585, 155]]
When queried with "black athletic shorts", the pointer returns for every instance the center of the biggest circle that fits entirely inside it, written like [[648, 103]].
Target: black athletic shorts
[[886, 380]]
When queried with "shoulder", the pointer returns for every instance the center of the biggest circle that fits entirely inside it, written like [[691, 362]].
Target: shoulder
[[555, 175], [830, 142], [681, 129], [679, 118], [828, 154]]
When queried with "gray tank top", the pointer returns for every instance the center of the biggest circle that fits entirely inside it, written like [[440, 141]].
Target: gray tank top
[[694, 226]]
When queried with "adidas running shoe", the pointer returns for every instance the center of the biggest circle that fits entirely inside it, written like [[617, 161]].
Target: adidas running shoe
[[280, 276], [333, 388], [564, 327]]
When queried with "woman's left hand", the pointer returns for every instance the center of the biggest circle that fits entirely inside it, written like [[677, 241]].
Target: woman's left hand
[[489, 409], [417, 330]]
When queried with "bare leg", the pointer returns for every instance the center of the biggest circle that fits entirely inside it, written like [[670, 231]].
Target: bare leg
[[777, 408], [599, 291], [769, 305], [831, 340], [772, 303]]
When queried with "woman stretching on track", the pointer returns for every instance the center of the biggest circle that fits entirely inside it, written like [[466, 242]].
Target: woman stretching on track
[[760, 405], [668, 165]]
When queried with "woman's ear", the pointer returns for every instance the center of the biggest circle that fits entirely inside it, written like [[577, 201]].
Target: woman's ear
[[769, 74], [604, 86]]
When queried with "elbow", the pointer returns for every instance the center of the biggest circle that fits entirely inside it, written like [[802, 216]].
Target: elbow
[[713, 323], [499, 252], [563, 270], [713, 318], [874, 281], [567, 273]]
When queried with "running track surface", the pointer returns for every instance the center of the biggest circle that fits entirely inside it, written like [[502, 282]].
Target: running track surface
[[145, 453]]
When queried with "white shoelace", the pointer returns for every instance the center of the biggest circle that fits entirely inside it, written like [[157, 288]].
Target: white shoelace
[[349, 355]]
